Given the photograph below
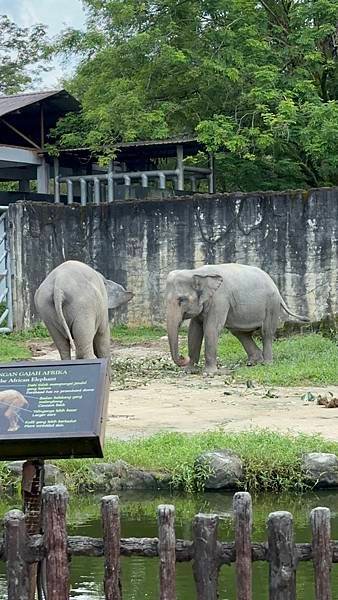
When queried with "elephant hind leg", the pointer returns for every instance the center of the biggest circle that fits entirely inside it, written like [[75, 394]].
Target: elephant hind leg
[[268, 332], [83, 334], [102, 342], [255, 354], [62, 343], [195, 337]]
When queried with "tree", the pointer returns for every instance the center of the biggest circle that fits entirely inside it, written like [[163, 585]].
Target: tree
[[21, 51], [256, 81]]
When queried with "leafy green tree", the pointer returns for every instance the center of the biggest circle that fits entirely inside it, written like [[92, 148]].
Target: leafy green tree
[[21, 51], [256, 81]]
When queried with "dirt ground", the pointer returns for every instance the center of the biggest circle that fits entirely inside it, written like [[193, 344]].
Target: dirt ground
[[145, 401]]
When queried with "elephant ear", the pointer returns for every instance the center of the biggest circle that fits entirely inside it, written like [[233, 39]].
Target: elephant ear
[[206, 285]]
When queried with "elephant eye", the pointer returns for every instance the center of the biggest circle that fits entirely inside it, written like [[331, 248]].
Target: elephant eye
[[182, 299]]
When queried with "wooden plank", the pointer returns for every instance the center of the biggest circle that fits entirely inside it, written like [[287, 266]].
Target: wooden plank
[[111, 543], [242, 507], [205, 562], [167, 551], [321, 552], [282, 557], [17, 568], [54, 508]]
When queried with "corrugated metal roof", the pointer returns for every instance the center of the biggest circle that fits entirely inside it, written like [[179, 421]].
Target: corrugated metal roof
[[123, 145], [10, 103]]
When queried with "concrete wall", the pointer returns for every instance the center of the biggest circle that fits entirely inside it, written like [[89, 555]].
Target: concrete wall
[[292, 235]]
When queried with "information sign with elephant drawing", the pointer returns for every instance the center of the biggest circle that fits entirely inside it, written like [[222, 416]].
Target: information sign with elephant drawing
[[52, 410]]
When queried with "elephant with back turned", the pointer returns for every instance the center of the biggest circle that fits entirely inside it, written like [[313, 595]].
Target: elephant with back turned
[[73, 302], [239, 297]]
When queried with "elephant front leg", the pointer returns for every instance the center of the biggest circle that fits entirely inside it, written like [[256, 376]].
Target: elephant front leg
[[195, 337], [211, 334]]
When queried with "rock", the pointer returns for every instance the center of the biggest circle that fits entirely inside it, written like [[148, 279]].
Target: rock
[[36, 349], [226, 469], [117, 476], [321, 469], [53, 475], [15, 467]]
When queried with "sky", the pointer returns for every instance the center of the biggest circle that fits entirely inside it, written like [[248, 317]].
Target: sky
[[56, 14]]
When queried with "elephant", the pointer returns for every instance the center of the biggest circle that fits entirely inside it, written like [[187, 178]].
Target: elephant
[[73, 302], [239, 297], [11, 402]]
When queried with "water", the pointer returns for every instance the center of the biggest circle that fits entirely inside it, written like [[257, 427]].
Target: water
[[140, 575]]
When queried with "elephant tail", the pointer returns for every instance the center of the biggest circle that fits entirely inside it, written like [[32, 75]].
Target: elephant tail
[[298, 317], [58, 301]]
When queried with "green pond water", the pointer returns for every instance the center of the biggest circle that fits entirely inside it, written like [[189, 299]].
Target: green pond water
[[140, 575]]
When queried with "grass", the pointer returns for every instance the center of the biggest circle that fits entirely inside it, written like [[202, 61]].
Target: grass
[[298, 360], [136, 335], [12, 350], [272, 461]]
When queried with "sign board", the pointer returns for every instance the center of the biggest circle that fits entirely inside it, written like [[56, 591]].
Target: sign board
[[52, 409]]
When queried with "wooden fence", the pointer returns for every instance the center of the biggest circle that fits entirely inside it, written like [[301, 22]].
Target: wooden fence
[[205, 551]]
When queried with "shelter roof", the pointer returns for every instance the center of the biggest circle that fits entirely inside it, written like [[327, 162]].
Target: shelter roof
[[55, 99]]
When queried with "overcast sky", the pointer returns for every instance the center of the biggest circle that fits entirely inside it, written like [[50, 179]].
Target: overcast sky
[[57, 14]]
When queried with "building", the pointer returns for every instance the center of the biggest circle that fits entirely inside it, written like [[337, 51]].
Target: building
[[140, 170]]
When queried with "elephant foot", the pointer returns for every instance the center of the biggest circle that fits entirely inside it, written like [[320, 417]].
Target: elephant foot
[[192, 369], [255, 360], [209, 371]]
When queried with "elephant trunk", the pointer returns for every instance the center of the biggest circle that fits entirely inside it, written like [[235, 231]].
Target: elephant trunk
[[174, 321]]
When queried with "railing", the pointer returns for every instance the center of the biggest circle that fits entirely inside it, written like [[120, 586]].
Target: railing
[[102, 186], [205, 551], [6, 312]]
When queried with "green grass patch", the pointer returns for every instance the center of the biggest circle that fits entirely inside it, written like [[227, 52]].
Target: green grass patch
[[298, 360], [38, 332], [272, 462], [12, 349], [136, 335]]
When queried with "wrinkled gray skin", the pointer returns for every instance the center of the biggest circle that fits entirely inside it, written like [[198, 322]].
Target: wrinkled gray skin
[[73, 302], [239, 297]]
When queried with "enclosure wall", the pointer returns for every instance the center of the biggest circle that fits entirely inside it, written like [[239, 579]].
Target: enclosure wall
[[291, 235]]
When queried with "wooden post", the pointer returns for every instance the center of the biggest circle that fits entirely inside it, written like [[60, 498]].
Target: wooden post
[[54, 504], [321, 551], [33, 475], [205, 563], [111, 544], [282, 557], [15, 544], [242, 507], [167, 551]]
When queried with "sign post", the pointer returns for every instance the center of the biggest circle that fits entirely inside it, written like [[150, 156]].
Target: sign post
[[50, 410], [53, 410]]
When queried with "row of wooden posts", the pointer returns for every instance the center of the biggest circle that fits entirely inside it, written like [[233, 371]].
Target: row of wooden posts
[[206, 552]]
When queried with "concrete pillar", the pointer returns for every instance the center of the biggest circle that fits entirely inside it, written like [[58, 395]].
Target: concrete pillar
[[43, 177], [24, 185], [180, 178], [212, 186]]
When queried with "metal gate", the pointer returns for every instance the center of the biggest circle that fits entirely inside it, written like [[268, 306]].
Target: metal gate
[[6, 308]]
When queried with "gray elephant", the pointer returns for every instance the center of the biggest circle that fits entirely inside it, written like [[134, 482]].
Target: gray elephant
[[73, 302], [239, 297]]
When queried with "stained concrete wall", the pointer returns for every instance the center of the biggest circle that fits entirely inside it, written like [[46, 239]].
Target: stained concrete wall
[[292, 235]]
